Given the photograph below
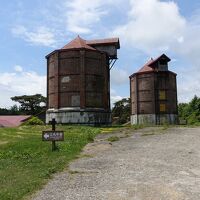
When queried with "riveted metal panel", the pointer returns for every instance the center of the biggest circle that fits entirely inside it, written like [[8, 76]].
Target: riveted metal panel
[[94, 83], [93, 66], [69, 54], [69, 66], [51, 69], [69, 83], [69, 99], [94, 100], [93, 54], [154, 93]]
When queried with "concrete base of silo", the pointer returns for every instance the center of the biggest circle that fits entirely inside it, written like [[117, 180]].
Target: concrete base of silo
[[72, 116], [154, 119]]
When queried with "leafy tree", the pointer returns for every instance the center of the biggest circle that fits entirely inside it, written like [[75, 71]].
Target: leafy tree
[[122, 110], [190, 111], [31, 104], [183, 110], [15, 110]]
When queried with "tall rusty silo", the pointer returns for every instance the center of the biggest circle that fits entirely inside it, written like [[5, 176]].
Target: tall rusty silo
[[153, 92], [78, 81]]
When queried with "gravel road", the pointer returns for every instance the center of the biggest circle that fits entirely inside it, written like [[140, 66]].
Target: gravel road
[[147, 164]]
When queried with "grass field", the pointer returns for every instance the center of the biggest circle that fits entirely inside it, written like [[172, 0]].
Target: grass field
[[26, 162]]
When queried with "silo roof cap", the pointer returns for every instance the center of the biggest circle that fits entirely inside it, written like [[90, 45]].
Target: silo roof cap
[[163, 56], [149, 66], [78, 43]]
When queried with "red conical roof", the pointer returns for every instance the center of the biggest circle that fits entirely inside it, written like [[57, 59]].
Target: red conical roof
[[150, 65], [78, 43], [146, 67]]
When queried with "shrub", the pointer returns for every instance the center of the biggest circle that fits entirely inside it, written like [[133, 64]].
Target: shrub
[[34, 121], [113, 139], [190, 111]]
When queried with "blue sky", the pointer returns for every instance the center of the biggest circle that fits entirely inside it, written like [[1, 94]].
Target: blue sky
[[29, 30]]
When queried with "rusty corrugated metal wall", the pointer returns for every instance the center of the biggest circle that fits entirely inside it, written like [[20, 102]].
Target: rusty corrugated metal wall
[[78, 78]]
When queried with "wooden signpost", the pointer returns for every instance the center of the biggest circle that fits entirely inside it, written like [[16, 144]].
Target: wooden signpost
[[53, 135]]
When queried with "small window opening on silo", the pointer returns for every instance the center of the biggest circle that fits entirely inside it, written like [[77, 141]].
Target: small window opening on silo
[[163, 62], [162, 107], [163, 65], [162, 95]]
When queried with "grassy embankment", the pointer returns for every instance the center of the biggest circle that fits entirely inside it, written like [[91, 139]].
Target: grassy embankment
[[26, 162]]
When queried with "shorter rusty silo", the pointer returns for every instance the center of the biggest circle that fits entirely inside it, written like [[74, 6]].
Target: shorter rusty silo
[[78, 81], [153, 92]]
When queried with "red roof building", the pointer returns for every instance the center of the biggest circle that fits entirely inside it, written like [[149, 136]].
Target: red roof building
[[78, 81], [13, 120], [151, 65], [153, 92]]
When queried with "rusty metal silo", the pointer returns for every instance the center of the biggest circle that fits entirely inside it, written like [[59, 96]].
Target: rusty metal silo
[[78, 81], [153, 92]]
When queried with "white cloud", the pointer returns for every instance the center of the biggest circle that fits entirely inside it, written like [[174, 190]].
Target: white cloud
[[119, 76], [114, 97], [188, 85], [189, 47], [152, 25], [21, 83], [41, 36], [83, 14], [18, 68], [67, 18]]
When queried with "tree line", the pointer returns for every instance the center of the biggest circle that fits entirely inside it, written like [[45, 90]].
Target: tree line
[[190, 111], [28, 105]]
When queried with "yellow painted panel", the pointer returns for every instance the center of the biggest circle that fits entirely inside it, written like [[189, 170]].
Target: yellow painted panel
[[162, 107], [162, 95]]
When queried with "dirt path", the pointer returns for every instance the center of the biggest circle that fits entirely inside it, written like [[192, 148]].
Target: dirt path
[[148, 164]]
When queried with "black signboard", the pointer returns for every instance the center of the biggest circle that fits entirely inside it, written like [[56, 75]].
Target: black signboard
[[53, 135]]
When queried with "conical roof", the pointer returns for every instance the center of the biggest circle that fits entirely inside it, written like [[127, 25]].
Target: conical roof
[[150, 65], [146, 67], [78, 43]]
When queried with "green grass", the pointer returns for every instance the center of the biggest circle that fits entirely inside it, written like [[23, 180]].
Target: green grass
[[26, 162], [113, 139]]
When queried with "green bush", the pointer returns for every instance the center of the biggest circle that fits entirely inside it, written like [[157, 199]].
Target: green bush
[[113, 139], [34, 121], [121, 111], [190, 111]]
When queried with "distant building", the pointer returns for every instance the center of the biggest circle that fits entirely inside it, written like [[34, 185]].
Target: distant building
[[78, 81], [153, 92], [13, 120]]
